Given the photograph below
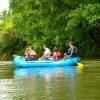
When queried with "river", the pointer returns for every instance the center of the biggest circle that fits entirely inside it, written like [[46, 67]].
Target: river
[[58, 83]]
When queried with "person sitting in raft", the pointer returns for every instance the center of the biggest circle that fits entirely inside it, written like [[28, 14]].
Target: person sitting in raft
[[56, 54], [72, 51], [46, 54], [26, 55], [31, 54], [51, 54]]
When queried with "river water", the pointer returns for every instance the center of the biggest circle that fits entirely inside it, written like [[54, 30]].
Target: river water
[[58, 83]]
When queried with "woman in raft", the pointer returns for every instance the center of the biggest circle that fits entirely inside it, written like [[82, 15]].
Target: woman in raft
[[56, 54], [26, 54], [30, 54]]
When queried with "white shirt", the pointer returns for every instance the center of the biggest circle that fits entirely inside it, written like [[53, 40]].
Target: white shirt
[[47, 53]]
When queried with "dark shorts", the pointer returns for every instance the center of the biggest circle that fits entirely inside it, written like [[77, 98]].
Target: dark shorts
[[31, 59], [46, 59], [67, 57]]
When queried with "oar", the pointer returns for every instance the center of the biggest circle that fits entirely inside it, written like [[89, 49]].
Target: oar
[[80, 65], [15, 55]]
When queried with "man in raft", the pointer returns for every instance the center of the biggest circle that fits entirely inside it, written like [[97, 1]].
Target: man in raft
[[72, 51], [46, 54]]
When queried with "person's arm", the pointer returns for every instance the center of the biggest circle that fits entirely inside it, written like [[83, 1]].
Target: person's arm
[[45, 54], [71, 51], [76, 50], [54, 54], [68, 53], [26, 54]]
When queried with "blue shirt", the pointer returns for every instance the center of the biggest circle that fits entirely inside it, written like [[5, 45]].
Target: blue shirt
[[72, 51]]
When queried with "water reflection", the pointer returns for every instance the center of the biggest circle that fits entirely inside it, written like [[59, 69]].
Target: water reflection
[[59, 83], [6, 72], [46, 72], [47, 83]]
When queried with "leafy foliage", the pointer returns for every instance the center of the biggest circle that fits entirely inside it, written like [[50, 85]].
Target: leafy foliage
[[54, 22]]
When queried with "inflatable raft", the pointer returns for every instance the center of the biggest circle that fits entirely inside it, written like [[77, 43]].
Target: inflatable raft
[[20, 62]]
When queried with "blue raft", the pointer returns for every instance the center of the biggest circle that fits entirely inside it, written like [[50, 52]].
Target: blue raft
[[19, 62]]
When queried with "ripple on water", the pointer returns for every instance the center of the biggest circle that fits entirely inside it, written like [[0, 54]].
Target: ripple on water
[[50, 84]]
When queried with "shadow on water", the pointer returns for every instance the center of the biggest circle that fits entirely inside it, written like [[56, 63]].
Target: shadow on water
[[45, 83]]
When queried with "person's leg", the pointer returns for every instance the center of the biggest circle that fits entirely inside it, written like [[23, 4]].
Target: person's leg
[[66, 57], [32, 59]]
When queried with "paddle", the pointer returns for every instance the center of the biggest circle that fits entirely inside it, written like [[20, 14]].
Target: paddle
[[15, 55], [80, 65]]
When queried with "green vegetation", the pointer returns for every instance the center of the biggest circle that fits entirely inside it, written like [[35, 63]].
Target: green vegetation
[[54, 22]]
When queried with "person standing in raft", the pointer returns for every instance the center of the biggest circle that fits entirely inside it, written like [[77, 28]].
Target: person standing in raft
[[46, 54], [31, 54], [72, 51], [56, 54]]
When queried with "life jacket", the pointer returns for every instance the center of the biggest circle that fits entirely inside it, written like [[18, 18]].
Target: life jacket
[[32, 56], [26, 54], [58, 55], [51, 53]]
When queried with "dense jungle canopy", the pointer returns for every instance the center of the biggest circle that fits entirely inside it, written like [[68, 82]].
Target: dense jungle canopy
[[51, 22]]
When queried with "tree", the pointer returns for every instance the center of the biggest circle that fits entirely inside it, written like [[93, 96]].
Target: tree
[[54, 22]]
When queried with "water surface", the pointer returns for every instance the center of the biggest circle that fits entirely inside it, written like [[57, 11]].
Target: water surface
[[58, 83]]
